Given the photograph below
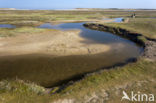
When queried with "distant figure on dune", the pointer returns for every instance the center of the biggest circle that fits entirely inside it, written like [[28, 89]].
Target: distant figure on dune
[[133, 15]]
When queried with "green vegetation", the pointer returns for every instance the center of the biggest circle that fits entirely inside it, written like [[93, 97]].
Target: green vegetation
[[20, 87], [13, 91], [145, 26], [33, 18], [5, 32]]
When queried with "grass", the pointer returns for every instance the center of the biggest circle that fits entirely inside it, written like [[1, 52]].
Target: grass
[[5, 32], [18, 91], [20, 86], [144, 26], [32, 18]]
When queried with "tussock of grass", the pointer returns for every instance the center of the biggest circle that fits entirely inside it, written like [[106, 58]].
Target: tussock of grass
[[18, 91], [20, 86]]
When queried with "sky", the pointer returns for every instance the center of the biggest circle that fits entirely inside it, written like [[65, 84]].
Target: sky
[[69, 4]]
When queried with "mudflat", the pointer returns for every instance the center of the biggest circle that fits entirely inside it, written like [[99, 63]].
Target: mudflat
[[59, 43]]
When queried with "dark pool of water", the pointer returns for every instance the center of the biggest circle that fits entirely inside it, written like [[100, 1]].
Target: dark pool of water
[[49, 71], [7, 26]]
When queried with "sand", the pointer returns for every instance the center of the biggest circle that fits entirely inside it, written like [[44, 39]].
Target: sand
[[58, 43]]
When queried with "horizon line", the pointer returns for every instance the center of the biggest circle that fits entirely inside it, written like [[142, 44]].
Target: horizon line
[[78, 8]]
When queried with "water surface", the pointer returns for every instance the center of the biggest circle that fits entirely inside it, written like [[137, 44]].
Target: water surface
[[116, 20], [49, 71], [7, 26]]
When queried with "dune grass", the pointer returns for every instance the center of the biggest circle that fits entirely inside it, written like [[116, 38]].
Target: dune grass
[[6, 32], [18, 91], [145, 26], [33, 17]]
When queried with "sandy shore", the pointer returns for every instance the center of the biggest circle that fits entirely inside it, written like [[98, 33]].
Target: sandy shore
[[59, 43]]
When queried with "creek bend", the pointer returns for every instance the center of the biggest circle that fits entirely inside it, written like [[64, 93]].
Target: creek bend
[[48, 70]]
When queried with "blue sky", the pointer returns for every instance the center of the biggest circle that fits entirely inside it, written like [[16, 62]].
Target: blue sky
[[68, 4]]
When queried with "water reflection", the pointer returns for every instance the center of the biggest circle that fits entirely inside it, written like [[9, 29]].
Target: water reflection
[[7, 26]]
